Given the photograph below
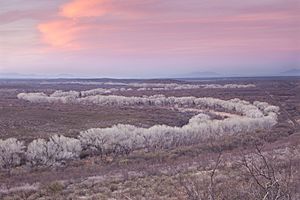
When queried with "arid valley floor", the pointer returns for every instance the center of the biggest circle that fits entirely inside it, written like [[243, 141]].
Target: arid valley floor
[[262, 162]]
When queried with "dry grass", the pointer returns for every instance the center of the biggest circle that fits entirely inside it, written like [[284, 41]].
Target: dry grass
[[145, 175]]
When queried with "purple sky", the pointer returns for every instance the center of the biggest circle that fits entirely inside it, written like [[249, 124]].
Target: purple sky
[[149, 38]]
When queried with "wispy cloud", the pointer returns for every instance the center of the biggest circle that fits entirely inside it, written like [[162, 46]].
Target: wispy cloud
[[81, 24], [198, 31], [91, 8]]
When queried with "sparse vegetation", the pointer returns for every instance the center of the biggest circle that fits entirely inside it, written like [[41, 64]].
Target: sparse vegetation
[[222, 149]]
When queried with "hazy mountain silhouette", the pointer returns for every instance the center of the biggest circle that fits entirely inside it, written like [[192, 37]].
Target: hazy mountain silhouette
[[291, 72], [201, 74]]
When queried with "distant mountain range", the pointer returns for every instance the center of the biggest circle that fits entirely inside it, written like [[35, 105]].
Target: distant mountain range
[[33, 76], [208, 74], [204, 74], [16, 75], [291, 72]]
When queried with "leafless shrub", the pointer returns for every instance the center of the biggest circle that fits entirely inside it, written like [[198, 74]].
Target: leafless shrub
[[204, 187], [23, 188], [268, 180]]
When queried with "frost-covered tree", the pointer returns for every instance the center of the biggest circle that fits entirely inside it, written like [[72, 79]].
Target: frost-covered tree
[[11, 151], [95, 92], [54, 151]]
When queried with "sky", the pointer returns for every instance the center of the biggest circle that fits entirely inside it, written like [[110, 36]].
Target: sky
[[149, 38]]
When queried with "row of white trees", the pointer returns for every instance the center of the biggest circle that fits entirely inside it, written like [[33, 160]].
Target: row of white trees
[[157, 86], [232, 86], [177, 86], [257, 109], [122, 139]]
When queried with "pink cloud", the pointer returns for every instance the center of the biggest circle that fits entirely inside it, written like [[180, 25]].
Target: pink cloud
[[108, 26], [60, 33], [83, 8], [100, 8]]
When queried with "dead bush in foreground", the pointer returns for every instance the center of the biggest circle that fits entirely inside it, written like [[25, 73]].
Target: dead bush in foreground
[[258, 175], [204, 188], [272, 176]]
